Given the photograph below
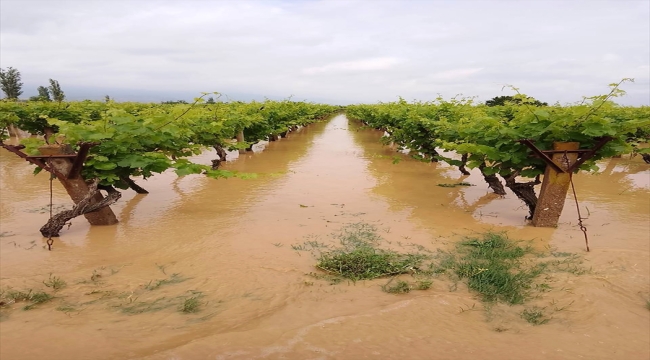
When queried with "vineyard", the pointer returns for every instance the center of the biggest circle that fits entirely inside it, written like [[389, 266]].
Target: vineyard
[[139, 140], [118, 141], [363, 224], [492, 138], [122, 141]]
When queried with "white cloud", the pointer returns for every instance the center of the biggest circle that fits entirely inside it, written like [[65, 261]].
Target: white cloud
[[340, 51]]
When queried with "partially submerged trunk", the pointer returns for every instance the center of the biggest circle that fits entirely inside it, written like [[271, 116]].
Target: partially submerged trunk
[[646, 158], [87, 205], [462, 167], [133, 185], [241, 139], [76, 187], [221, 152], [524, 191], [15, 131], [493, 181]]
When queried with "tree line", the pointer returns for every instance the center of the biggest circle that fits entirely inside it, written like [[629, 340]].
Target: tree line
[[11, 85]]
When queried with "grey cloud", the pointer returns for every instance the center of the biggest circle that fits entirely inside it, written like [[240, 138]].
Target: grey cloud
[[344, 51]]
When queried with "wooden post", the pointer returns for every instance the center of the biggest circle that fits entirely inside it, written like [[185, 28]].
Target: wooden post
[[76, 187], [240, 139], [555, 186]]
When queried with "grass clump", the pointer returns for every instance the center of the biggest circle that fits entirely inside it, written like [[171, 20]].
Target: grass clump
[[66, 308], [367, 262], [138, 307], [404, 287], [400, 287], [359, 258], [190, 305], [462, 183], [492, 266], [535, 316], [423, 284], [34, 298], [55, 282], [173, 279]]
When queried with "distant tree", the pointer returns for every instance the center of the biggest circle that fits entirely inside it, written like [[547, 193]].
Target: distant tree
[[55, 90], [172, 102], [210, 100], [10, 83], [503, 100], [107, 98], [43, 93]]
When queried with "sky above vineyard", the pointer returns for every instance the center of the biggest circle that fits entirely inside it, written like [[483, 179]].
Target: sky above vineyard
[[332, 51]]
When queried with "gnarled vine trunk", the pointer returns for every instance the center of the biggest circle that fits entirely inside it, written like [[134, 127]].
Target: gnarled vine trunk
[[646, 158], [77, 188], [222, 156], [524, 191], [133, 185], [84, 206], [462, 168], [493, 181]]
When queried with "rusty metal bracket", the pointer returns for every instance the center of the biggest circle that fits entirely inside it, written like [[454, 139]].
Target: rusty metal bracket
[[588, 155], [16, 150], [38, 160], [541, 155], [583, 154]]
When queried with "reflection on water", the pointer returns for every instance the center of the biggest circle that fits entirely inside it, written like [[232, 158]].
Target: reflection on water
[[229, 241]]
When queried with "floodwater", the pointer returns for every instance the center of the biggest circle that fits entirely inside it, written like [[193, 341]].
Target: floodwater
[[229, 242]]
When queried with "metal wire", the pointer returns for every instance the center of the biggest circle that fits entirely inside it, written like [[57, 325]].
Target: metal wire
[[49, 239], [583, 228], [580, 218]]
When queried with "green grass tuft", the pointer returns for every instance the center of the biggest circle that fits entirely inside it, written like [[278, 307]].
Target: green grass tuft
[[55, 282], [493, 267], [535, 316], [190, 305], [456, 184], [173, 279], [366, 262], [423, 284], [400, 287], [138, 307], [360, 258], [34, 298]]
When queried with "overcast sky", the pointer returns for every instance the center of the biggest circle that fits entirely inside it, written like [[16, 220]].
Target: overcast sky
[[331, 51]]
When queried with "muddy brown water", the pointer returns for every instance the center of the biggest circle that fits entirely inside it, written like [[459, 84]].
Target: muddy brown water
[[230, 242]]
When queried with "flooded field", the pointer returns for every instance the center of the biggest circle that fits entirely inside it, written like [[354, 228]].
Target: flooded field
[[230, 249]]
